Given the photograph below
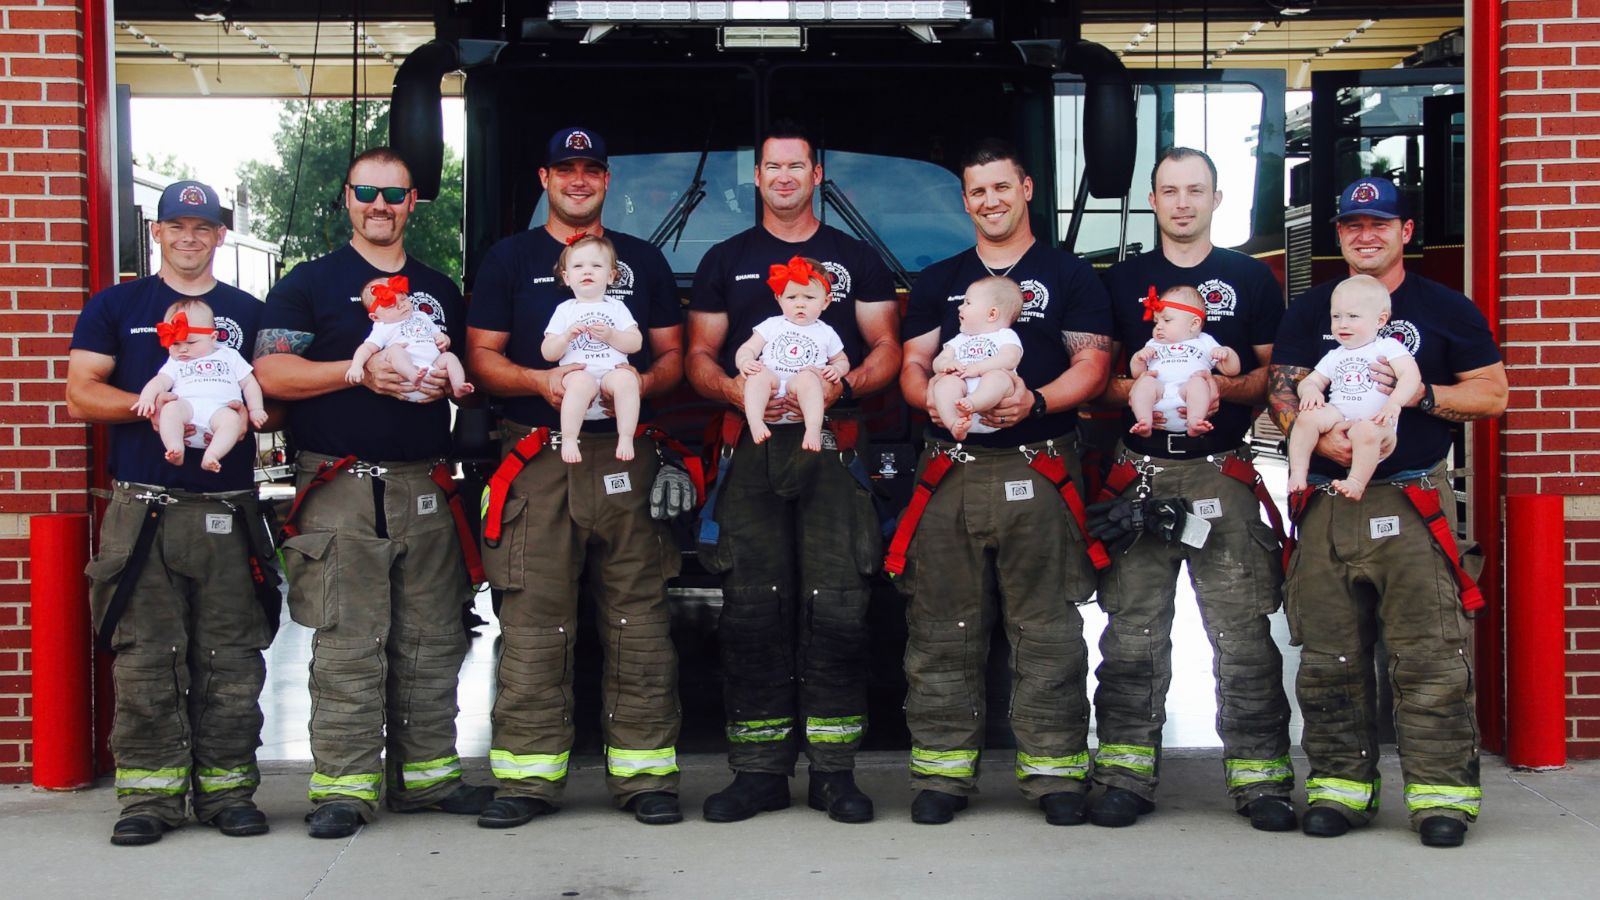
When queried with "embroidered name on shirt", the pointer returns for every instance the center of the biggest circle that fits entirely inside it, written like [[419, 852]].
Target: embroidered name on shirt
[[752, 276], [547, 279]]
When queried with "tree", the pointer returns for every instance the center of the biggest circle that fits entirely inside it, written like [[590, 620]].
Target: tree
[[167, 165], [320, 224]]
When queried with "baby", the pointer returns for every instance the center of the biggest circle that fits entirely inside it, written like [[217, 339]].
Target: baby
[[795, 351], [206, 379], [983, 357], [599, 332], [1360, 306], [1171, 369], [407, 338]]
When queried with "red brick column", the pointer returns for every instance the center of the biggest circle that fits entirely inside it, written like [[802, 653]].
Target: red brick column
[[43, 275], [1550, 225]]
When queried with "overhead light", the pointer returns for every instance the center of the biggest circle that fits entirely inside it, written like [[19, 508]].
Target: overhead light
[[1294, 10], [773, 12], [758, 37]]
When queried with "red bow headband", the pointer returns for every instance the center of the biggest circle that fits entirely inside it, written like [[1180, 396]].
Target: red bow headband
[[178, 330], [1154, 304], [388, 293], [576, 238], [797, 270]]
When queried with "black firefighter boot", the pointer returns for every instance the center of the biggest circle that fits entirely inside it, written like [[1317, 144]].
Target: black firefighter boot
[[836, 794], [750, 793]]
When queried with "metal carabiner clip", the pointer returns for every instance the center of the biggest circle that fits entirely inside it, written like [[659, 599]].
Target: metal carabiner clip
[[157, 499], [362, 470]]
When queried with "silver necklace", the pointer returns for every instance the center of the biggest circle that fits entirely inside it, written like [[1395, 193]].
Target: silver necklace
[[1008, 268]]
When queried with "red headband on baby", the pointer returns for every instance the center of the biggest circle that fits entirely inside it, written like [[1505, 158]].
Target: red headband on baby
[[576, 238], [177, 330], [796, 270], [1154, 304], [388, 293]]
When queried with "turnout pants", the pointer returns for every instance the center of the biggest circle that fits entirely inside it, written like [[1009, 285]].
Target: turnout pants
[[188, 671], [1237, 578], [1362, 570], [584, 523], [799, 538], [997, 541], [376, 571]]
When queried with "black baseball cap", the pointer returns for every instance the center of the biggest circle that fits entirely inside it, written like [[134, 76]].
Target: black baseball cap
[[186, 199], [576, 143]]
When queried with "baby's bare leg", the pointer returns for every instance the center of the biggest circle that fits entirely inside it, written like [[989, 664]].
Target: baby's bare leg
[[758, 389], [580, 390], [1367, 439], [401, 360], [1196, 394], [992, 388], [224, 434], [622, 386], [807, 389], [458, 376], [1142, 399], [948, 392], [1308, 427], [174, 416]]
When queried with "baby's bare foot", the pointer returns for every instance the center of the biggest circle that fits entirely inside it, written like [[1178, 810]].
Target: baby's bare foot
[[465, 389], [624, 448], [569, 450], [209, 463], [759, 432], [812, 440], [964, 406], [174, 455], [1297, 482], [1351, 488], [1141, 428], [1198, 427]]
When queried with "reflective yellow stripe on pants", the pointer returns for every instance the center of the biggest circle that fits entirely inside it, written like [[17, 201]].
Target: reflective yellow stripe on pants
[[549, 766], [1127, 756], [169, 781], [1444, 796], [946, 763], [1242, 772], [419, 775], [1074, 766], [356, 787], [628, 763], [1357, 795], [214, 780]]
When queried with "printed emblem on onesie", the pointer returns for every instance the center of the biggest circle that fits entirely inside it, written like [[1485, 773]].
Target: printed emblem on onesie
[[424, 302], [1035, 297], [1352, 376], [1177, 351], [979, 348], [841, 281], [1221, 298], [584, 343], [1404, 332], [229, 334], [793, 351]]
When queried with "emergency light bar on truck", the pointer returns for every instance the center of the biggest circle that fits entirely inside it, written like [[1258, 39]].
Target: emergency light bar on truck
[[761, 23]]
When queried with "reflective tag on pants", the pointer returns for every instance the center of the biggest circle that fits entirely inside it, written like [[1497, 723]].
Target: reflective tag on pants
[[427, 504], [219, 523], [1385, 526], [1208, 509], [1019, 490], [618, 483]]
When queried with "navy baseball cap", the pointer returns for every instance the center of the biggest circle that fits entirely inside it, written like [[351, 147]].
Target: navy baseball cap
[[576, 143], [1376, 197], [189, 198]]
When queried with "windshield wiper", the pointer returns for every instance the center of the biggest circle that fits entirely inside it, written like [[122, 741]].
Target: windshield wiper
[[833, 197], [678, 216]]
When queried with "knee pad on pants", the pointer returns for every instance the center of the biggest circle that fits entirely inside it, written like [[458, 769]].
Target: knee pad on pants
[[1135, 667], [536, 673], [645, 669], [756, 645], [1051, 669], [228, 683], [347, 686], [1250, 680], [425, 669], [150, 713], [837, 651], [1331, 691], [1433, 703]]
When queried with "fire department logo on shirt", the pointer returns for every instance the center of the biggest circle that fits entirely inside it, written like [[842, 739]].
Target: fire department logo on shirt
[[425, 303], [977, 349], [619, 289], [1221, 299], [841, 281], [1035, 297], [792, 352], [229, 334], [1404, 332], [586, 343]]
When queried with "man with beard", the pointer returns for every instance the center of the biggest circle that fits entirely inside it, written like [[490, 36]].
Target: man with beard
[[374, 563], [556, 521]]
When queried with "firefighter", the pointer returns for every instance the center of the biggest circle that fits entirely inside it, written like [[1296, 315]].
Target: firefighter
[[374, 560], [182, 586], [1375, 568], [558, 521], [1238, 572], [797, 534], [998, 538]]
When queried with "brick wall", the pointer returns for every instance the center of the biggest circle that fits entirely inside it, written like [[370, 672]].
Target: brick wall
[[43, 271], [1550, 238]]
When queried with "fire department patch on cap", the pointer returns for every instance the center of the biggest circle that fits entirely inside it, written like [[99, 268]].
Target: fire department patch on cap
[[191, 195], [1365, 192], [577, 140]]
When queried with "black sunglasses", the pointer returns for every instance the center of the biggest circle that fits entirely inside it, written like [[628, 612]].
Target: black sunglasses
[[367, 193]]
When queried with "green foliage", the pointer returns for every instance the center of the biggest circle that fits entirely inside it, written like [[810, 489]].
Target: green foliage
[[167, 165], [320, 224]]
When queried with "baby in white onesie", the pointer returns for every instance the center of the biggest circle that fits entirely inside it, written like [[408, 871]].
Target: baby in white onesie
[[206, 378], [976, 368], [1170, 372], [1359, 307], [411, 341], [795, 351], [598, 332]]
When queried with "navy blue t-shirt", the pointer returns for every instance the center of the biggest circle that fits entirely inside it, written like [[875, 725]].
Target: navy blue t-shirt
[[732, 279], [1060, 294], [1445, 333], [516, 290], [1244, 304], [121, 321], [323, 297]]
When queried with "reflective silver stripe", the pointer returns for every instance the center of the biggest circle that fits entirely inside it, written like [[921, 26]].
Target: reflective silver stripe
[[152, 781], [950, 763], [1075, 766], [628, 763], [551, 767], [213, 780], [1356, 795]]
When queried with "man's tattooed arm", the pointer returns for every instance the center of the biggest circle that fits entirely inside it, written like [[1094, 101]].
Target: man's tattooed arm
[[282, 340], [1077, 341], [1283, 394]]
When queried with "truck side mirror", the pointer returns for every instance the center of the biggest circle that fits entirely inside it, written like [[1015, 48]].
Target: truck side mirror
[[1110, 132], [416, 121]]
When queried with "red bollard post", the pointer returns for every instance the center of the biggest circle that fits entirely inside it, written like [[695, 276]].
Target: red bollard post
[[58, 551], [1536, 685]]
